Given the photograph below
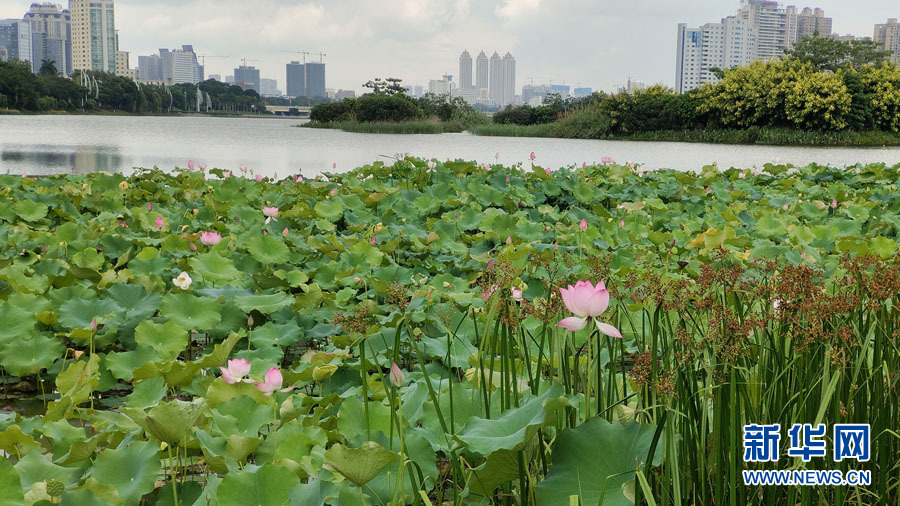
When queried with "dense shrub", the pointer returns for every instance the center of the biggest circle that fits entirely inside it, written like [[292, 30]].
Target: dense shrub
[[377, 107], [333, 111]]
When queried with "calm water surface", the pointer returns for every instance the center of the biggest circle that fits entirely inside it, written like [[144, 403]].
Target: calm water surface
[[62, 144]]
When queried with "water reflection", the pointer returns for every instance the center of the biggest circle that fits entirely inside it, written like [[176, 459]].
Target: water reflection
[[47, 159]]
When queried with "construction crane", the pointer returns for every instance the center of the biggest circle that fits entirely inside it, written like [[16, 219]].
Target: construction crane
[[245, 60], [321, 55], [304, 53], [203, 58]]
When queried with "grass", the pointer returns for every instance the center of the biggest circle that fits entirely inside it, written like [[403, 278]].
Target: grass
[[762, 136], [391, 127]]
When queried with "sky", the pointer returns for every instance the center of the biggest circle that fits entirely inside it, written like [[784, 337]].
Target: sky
[[597, 44]]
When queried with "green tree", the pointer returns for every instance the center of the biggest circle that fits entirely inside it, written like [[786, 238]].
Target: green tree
[[829, 54], [389, 86], [48, 68]]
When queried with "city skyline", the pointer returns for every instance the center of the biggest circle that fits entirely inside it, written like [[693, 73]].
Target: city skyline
[[597, 46]]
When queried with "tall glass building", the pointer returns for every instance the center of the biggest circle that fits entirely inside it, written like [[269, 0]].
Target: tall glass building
[[93, 35], [315, 80]]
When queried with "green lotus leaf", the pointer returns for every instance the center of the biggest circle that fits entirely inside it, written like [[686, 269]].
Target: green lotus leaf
[[515, 427], [147, 393], [167, 339], [217, 270], [17, 322], [191, 312], [270, 485], [171, 421], [362, 464], [15, 442], [267, 249], [265, 304], [78, 313], [122, 364], [621, 449], [331, 210], [13, 494], [35, 468], [30, 354], [241, 416], [132, 470], [29, 210]]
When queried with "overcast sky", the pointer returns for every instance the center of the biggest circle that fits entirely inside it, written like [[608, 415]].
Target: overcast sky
[[592, 43]]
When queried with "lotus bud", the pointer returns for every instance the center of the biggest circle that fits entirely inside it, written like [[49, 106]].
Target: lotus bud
[[250, 321], [396, 375], [93, 326]]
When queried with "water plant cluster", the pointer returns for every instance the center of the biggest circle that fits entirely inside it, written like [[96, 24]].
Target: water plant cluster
[[429, 332]]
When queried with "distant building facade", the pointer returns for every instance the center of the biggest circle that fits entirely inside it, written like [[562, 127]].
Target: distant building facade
[[51, 36], [761, 30], [887, 36], [315, 80], [247, 77], [93, 35], [482, 73], [296, 79], [15, 41], [269, 88], [342, 94], [465, 71]]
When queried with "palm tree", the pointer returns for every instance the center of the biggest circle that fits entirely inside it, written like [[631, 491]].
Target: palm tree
[[48, 67]]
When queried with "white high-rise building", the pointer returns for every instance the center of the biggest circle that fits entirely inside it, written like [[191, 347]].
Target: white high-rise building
[[93, 35], [269, 88], [509, 79], [482, 73], [811, 22], [887, 35], [465, 71], [761, 30], [495, 88]]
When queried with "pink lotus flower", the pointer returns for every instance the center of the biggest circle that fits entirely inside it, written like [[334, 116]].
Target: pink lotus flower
[[621, 223], [334, 165], [508, 240], [276, 175], [228, 174], [149, 207], [284, 233], [532, 155], [586, 301], [507, 179], [555, 246], [93, 326], [237, 369], [201, 166], [191, 164], [210, 238], [785, 207], [742, 175], [333, 192], [833, 203], [431, 165], [374, 240], [243, 168], [159, 223], [396, 375], [272, 383], [250, 321], [583, 165], [548, 171], [583, 225], [490, 291], [516, 294], [258, 178], [193, 246], [607, 160], [270, 213]]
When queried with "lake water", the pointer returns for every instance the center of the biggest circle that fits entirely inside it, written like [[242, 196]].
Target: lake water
[[61, 144]]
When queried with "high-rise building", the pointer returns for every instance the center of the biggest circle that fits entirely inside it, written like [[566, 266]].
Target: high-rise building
[[269, 88], [150, 68], [582, 92], [181, 65], [887, 36], [497, 83], [296, 79], [442, 86], [122, 65], [315, 80], [812, 22], [761, 30], [93, 35], [248, 76], [482, 73], [51, 36], [509, 79], [215, 77], [465, 71], [15, 40]]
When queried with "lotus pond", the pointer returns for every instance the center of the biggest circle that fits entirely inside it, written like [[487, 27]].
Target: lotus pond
[[392, 335]]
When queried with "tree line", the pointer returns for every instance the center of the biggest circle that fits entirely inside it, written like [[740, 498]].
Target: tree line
[[22, 90]]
